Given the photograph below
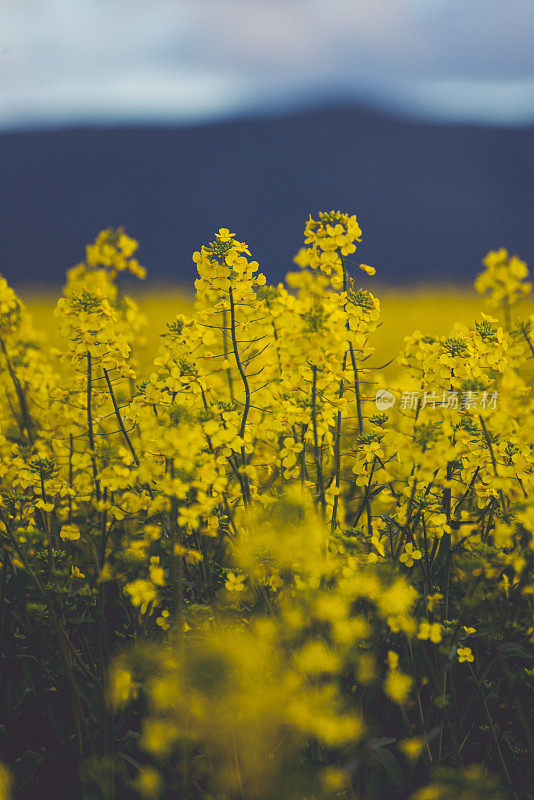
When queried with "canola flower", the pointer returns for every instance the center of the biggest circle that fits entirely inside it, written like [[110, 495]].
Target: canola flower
[[254, 582], [465, 654]]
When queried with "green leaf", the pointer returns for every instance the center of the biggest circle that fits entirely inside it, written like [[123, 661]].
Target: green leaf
[[387, 760]]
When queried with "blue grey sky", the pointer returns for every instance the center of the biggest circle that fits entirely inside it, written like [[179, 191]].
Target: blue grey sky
[[65, 62]]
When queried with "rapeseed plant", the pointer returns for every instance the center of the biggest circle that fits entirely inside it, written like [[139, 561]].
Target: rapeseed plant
[[243, 575]]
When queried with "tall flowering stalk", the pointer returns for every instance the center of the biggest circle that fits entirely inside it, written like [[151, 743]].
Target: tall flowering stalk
[[259, 583]]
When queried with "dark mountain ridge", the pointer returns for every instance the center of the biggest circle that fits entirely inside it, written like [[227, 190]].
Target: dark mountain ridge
[[431, 199]]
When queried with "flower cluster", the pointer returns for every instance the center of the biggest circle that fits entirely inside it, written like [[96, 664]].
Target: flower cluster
[[113, 250], [330, 239], [504, 279], [278, 591]]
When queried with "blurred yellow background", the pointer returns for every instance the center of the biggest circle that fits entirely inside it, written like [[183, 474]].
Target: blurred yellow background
[[430, 310]]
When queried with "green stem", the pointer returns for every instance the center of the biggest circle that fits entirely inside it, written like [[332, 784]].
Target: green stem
[[119, 418], [228, 369], [90, 432], [357, 391], [246, 406], [337, 450], [25, 414], [319, 483], [492, 728], [487, 439]]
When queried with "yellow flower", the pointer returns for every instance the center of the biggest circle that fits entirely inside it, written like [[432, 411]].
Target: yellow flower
[[334, 779], [412, 748], [114, 249], [465, 654], [163, 620], [432, 599], [149, 783], [378, 543], [430, 631], [504, 278], [141, 593], [332, 236], [70, 532], [316, 658], [372, 451], [10, 309], [122, 686], [156, 572], [397, 686], [289, 452], [235, 583], [393, 660], [76, 573], [410, 555], [275, 581]]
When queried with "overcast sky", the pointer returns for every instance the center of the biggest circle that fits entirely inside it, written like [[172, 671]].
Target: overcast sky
[[78, 61]]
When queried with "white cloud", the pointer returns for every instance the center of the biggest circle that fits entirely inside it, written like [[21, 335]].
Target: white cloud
[[64, 60], [138, 93], [505, 102]]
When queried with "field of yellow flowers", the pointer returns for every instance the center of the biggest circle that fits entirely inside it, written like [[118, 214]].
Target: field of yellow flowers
[[278, 548]]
